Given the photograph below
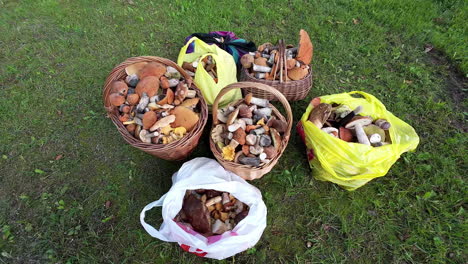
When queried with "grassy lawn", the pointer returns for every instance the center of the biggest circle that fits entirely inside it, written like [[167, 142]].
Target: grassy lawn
[[71, 190]]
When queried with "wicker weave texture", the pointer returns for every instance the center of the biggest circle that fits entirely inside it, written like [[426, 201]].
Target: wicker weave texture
[[292, 90], [244, 171], [177, 150]]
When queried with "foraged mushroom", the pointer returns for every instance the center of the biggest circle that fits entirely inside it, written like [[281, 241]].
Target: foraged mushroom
[[216, 133], [163, 122], [169, 99], [185, 117], [306, 49], [331, 131], [197, 214], [320, 114], [116, 99], [119, 87], [149, 118], [181, 93], [357, 123], [247, 61], [155, 69], [249, 99], [219, 227], [382, 123], [345, 134], [144, 100], [252, 161], [148, 85]]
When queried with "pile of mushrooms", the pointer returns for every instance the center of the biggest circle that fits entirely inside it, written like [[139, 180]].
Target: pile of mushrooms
[[207, 63], [345, 123], [210, 212], [283, 63], [249, 134], [155, 103]]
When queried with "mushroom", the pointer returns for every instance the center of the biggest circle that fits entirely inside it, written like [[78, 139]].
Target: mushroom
[[375, 138], [191, 93], [213, 200], [163, 122], [164, 82], [238, 155], [240, 216], [144, 100], [265, 140], [276, 138], [124, 108], [331, 131], [249, 128], [382, 123], [197, 214], [280, 125], [239, 135], [258, 68], [149, 118], [154, 69], [252, 161], [357, 123], [249, 99], [145, 136], [266, 111], [169, 99], [148, 85], [216, 133], [221, 117], [232, 116], [119, 87], [350, 116], [133, 99], [233, 143], [181, 93], [298, 73], [256, 149], [135, 68], [245, 150], [290, 63], [320, 114], [116, 99], [191, 103], [258, 131], [261, 61], [219, 227], [247, 121], [228, 153], [244, 111], [270, 152], [166, 130], [172, 73], [247, 61], [305, 50], [238, 123], [131, 128], [180, 131], [345, 134], [251, 139], [132, 80], [185, 117], [373, 129]]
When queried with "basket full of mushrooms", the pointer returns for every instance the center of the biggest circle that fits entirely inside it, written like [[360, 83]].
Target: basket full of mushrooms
[[284, 67], [249, 136], [155, 106]]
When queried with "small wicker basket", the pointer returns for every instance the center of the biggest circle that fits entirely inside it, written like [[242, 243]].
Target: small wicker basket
[[292, 90], [245, 171], [176, 150]]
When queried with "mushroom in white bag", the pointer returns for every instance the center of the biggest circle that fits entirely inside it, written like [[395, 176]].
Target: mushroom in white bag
[[204, 173]]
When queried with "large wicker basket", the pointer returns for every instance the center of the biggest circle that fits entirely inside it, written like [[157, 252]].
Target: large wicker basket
[[292, 90], [176, 150], [244, 171]]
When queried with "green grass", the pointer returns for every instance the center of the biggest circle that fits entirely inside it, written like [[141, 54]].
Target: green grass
[[55, 56]]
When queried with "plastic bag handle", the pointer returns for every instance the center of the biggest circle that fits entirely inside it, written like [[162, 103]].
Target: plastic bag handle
[[151, 230]]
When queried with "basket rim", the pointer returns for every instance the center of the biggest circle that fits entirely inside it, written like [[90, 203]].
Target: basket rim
[[265, 168], [118, 72]]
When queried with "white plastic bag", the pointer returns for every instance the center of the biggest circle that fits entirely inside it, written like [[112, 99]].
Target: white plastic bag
[[204, 173]]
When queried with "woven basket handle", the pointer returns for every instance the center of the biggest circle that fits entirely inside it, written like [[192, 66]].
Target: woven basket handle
[[261, 86]]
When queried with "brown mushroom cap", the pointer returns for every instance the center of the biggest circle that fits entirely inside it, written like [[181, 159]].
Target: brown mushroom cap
[[297, 73], [239, 135], [164, 82], [135, 68], [191, 103], [152, 69], [131, 128], [362, 120], [232, 117], [148, 85], [119, 87], [185, 117], [133, 99], [276, 138], [197, 214], [291, 63], [261, 61], [169, 99], [345, 134], [181, 93], [149, 118], [248, 98], [306, 49], [247, 61], [116, 99]]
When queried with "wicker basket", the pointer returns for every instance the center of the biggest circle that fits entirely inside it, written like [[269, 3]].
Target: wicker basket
[[292, 90], [176, 150], [244, 171]]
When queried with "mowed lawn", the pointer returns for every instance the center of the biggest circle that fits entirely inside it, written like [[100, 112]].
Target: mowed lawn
[[71, 189]]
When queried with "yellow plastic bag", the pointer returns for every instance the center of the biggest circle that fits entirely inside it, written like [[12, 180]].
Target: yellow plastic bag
[[351, 165], [225, 68]]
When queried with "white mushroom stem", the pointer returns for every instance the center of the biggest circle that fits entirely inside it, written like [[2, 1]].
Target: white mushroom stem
[[263, 111], [260, 75], [173, 82], [191, 94], [213, 201], [234, 127], [375, 138], [221, 116], [361, 135], [257, 101], [262, 156], [259, 68], [144, 100], [233, 143], [248, 121]]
